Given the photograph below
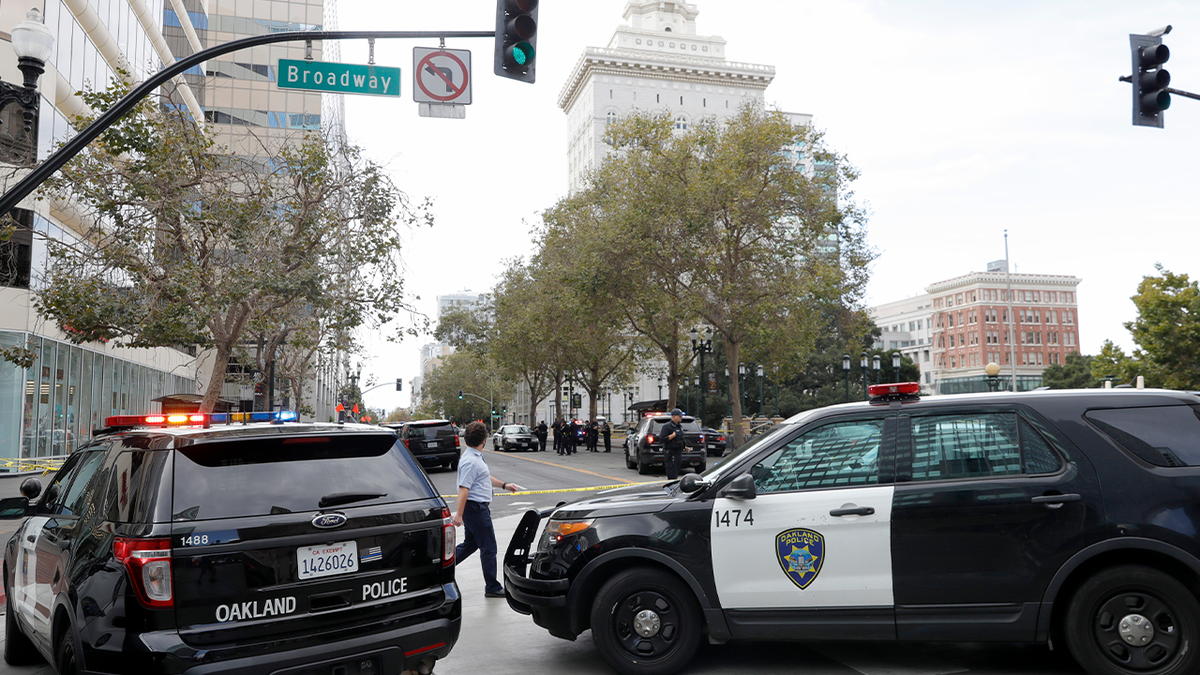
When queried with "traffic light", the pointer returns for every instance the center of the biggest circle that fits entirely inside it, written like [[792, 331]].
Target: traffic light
[[516, 39], [460, 394], [1150, 79], [399, 384]]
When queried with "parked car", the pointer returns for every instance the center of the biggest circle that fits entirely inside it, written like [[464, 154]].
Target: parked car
[[169, 546], [514, 437], [714, 442], [1066, 515], [644, 448], [432, 443]]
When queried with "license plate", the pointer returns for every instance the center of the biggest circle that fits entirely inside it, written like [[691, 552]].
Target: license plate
[[712, 445], [328, 560], [431, 444]]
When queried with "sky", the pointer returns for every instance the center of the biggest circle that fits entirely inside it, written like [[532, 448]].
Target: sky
[[966, 119]]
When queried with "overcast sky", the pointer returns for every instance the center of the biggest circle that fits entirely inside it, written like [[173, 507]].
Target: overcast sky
[[965, 117]]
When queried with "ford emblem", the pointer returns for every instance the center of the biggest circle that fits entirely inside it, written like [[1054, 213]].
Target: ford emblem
[[328, 521]]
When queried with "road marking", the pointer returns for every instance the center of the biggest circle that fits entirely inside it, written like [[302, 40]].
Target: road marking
[[892, 660], [521, 504], [561, 466]]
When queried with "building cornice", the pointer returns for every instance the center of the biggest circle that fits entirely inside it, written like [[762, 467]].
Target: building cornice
[[1000, 278], [664, 66]]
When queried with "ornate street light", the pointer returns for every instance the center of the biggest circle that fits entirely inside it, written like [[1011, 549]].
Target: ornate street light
[[875, 366], [701, 344], [993, 370], [862, 365], [846, 368], [895, 366], [33, 44]]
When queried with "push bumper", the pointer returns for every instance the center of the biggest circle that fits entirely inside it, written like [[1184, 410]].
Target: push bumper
[[544, 599]]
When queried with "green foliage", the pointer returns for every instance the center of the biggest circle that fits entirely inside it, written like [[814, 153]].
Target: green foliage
[[1112, 363], [1167, 330], [192, 244], [1074, 373], [467, 372]]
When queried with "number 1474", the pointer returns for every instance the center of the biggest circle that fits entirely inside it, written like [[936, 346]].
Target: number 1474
[[733, 517]]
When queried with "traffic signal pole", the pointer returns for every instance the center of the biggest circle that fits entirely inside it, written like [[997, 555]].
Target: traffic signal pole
[[39, 174]]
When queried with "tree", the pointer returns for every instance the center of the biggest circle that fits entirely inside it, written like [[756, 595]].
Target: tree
[[1112, 364], [193, 245], [1075, 372], [1167, 330], [474, 375], [757, 242]]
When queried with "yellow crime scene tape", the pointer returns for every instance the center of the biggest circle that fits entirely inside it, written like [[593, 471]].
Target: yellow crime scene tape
[[547, 492], [43, 465]]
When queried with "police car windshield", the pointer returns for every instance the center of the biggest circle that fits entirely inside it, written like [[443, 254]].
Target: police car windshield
[[266, 476], [730, 460]]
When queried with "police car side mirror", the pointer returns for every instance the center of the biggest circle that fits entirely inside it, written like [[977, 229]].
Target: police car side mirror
[[13, 508], [692, 482], [741, 487], [31, 488]]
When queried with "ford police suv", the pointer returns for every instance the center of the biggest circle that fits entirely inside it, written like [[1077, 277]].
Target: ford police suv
[[188, 544], [1064, 516]]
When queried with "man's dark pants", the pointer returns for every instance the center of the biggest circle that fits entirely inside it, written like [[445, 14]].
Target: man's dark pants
[[672, 458], [477, 522]]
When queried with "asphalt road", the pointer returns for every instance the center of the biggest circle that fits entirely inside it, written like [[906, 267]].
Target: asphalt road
[[497, 640]]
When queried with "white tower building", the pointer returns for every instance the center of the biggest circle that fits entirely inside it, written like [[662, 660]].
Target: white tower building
[[657, 63]]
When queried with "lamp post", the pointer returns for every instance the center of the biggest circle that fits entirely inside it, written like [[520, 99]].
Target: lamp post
[[742, 385], [761, 407], [895, 366], [701, 344], [33, 44], [993, 370], [875, 365], [862, 365], [660, 389], [846, 368]]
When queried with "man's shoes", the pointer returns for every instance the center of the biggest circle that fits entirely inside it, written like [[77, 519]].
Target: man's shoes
[[493, 594]]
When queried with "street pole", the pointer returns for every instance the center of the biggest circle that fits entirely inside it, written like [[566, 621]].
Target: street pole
[[1012, 319], [39, 174], [863, 366], [761, 404], [846, 368]]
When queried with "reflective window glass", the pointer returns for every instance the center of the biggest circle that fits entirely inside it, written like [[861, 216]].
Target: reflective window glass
[[840, 454]]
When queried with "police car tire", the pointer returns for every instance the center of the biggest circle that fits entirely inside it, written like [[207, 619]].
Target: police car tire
[[1161, 593], [683, 615], [18, 649], [642, 467], [64, 658], [629, 463]]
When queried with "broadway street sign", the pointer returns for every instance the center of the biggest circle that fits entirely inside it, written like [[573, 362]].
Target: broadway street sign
[[339, 78]]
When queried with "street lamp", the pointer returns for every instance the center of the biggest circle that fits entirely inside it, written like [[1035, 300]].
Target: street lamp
[[701, 344], [33, 44], [846, 368], [875, 365], [895, 366], [660, 389], [992, 369], [761, 407], [741, 385], [862, 365]]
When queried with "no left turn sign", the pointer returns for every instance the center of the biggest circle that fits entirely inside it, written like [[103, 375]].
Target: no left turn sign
[[441, 75]]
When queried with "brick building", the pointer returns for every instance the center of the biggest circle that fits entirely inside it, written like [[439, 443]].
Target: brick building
[[966, 325]]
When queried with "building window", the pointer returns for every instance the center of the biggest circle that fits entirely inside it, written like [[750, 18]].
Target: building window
[[16, 252], [681, 122], [610, 118]]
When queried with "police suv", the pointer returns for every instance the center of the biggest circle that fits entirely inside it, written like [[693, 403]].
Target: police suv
[[189, 544], [1064, 516]]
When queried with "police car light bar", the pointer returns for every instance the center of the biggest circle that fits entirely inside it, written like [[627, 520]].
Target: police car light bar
[[899, 391], [181, 419]]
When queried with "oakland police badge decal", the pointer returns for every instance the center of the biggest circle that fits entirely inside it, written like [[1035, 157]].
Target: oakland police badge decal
[[801, 554]]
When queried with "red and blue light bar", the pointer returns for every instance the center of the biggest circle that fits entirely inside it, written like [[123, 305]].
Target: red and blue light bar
[[202, 419], [901, 391]]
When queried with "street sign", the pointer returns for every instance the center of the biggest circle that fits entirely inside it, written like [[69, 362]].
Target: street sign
[[339, 78], [441, 75]]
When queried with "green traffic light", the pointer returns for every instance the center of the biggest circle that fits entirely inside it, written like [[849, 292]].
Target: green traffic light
[[521, 53]]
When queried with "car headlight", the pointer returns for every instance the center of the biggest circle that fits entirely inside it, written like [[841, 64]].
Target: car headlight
[[556, 530]]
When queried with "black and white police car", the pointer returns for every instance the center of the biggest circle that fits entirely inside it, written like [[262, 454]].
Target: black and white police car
[[187, 544], [1069, 517]]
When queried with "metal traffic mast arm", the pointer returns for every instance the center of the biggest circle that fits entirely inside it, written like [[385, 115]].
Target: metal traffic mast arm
[[54, 162], [1169, 90]]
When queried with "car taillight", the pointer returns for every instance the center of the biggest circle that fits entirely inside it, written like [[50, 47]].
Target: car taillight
[[149, 565], [649, 438], [456, 441], [721, 438], [447, 539], [406, 444]]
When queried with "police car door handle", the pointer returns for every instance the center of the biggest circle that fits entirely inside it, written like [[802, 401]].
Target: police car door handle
[[856, 511], [1056, 500]]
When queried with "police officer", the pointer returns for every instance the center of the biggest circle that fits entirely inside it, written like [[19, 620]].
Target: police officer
[[606, 431], [593, 434], [540, 432], [557, 427], [572, 436], [673, 443]]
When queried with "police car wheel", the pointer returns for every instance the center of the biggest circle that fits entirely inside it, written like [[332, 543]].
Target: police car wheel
[[1134, 620], [629, 463], [18, 649], [645, 622], [65, 656], [642, 467]]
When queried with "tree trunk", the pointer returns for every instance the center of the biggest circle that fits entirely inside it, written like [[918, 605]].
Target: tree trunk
[[672, 377], [733, 351], [217, 380], [558, 382]]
